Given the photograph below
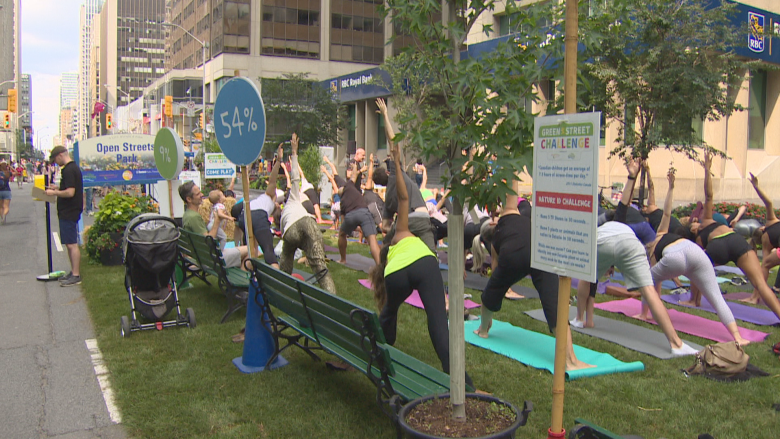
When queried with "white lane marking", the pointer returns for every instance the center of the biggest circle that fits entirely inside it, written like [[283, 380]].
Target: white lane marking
[[103, 380], [57, 241]]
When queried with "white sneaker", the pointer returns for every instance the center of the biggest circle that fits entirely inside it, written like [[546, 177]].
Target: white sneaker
[[683, 351], [576, 323]]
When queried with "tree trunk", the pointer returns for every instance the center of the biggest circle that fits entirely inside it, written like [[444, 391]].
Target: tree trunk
[[457, 336]]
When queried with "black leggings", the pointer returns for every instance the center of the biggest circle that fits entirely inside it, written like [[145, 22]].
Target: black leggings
[[263, 236], [514, 266], [422, 276]]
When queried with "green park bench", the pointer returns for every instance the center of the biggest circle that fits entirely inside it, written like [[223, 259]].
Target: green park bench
[[588, 430], [204, 252], [345, 330]]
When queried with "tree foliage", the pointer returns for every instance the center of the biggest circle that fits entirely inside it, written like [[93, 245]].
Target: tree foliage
[[656, 66], [470, 110], [295, 103]]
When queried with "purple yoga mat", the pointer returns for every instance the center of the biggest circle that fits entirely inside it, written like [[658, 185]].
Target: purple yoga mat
[[414, 298], [729, 269], [329, 248], [602, 286], [683, 322], [742, 312]]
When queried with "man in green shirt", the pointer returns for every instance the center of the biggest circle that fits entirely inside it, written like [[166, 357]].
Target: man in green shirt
[[193, 222]]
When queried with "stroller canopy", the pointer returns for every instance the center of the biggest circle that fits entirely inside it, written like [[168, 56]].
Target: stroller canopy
[[151, 231]]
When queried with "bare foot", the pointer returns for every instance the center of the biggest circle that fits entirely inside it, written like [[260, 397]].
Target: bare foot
[[589, 324], [752, 299], [689, 303], [574, 365], [483, 333], [511, 295], [741, 341], [643, 317], [342, 261]]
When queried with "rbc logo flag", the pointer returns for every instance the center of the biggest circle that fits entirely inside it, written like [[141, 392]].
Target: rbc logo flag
[[756, 35]]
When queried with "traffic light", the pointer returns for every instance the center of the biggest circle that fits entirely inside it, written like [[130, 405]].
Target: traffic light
[[6, 121], [109, 120], [169, 106], [202, 120], [12, 100]]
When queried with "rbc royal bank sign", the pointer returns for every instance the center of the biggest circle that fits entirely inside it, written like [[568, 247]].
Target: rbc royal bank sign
[[756, 34]]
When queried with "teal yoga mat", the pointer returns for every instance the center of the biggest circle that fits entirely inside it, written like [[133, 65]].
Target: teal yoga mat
[[538, 350]]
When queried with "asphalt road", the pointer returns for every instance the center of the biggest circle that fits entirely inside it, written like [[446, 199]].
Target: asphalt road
[[49, 388]]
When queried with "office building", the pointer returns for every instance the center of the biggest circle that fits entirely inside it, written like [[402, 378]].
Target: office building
[[89, 9], [69, 88], [129, 52]]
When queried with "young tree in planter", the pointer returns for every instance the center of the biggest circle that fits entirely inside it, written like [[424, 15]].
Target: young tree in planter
[[658, 68], [468, 110]]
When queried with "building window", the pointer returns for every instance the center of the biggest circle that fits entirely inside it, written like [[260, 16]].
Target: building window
[[381, 136], [357, 33], [237, 24], [352, 127], [757, 110], [292, 30]]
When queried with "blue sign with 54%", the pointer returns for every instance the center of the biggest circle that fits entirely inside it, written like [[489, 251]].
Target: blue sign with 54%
[[239, 121]]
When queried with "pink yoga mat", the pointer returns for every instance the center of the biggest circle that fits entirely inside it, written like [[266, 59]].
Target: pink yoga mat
[[414, 298], [683, 322]]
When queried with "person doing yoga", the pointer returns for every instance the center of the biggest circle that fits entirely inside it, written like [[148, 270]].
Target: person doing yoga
[[723, 245], [651, 210], [671, 255], [618, 246], [511, 248], [768, 237], [300, 230], [407, 264]]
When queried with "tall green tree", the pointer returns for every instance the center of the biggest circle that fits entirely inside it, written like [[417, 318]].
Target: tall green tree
[[469, 110], [658, 68], [295, 103]]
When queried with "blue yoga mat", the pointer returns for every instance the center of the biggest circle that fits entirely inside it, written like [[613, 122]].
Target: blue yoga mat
[[538, 350]]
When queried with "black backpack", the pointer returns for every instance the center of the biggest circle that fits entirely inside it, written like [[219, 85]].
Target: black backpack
[[3, 181]]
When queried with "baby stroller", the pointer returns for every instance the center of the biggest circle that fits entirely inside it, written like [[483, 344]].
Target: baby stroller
[[150, 253]]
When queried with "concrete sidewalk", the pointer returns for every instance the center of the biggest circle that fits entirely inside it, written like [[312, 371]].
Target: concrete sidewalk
[[49, 387]]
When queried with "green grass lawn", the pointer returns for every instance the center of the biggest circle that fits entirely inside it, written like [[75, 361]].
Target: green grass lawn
[[181, 382]]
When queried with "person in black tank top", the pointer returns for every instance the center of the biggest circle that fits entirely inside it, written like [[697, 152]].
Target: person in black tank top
[[768, 236], [671, 256], [723, 246]]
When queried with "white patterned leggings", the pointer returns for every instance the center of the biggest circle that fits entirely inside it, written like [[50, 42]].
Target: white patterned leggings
[[688, 259]]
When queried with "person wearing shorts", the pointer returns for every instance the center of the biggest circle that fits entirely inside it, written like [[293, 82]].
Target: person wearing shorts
[[723, 246], [192, 222], [356, 214], [70, 203], [5, 190], [618, 246]]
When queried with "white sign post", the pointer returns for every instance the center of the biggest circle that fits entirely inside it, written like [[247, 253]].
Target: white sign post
[[565, 194], [218, 166]]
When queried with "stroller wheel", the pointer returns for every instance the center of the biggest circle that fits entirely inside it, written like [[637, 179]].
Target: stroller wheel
[[125, 326], [191, 318]]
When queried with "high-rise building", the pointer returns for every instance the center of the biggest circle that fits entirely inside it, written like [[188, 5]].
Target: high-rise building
[[25, 102], [7, 63], [69, 88], [131, 50], [89, 9]]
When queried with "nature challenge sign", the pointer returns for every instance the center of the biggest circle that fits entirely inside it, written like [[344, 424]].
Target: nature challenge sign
[[117, 159]]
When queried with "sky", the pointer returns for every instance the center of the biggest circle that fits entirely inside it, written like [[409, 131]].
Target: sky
[[50, 46]]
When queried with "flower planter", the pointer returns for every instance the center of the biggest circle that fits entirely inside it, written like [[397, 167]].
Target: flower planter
[[113, 256], [509, 432]]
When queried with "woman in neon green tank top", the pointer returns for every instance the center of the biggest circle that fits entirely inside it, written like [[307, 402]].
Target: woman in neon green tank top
[[407, 264]]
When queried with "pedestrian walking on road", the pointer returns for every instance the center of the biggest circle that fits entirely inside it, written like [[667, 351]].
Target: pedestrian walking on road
[[70, 204], [5, 190]]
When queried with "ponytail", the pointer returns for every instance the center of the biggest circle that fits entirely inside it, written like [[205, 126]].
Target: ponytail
[[377, 276]]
